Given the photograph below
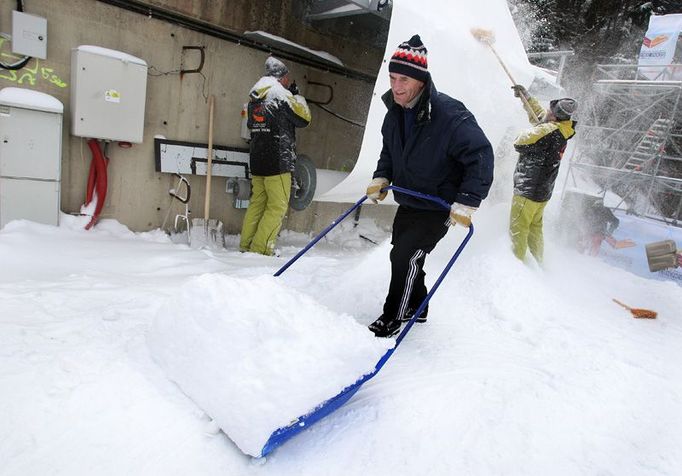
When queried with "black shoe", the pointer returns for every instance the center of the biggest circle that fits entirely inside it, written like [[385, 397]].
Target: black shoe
[[383, 327], [410, 312]]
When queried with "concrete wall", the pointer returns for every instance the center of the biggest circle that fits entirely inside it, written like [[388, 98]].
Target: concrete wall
[[177, 107]]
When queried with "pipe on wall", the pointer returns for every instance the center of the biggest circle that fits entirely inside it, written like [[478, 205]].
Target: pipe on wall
[[159, 13]]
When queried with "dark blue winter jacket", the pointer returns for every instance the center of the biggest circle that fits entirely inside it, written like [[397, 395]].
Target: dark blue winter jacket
[[446, 155]]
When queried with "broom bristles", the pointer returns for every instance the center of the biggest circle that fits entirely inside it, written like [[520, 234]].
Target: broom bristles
[[644, 313], [483, 35]]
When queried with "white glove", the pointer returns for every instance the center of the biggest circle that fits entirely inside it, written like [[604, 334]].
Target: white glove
[[461, 214], [374, 191]]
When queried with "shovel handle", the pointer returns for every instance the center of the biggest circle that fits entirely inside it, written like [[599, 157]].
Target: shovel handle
[[425, 196]]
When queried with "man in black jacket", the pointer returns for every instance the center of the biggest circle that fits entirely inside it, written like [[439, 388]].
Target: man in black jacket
[[540, 150], [433, 145], [274, 113]]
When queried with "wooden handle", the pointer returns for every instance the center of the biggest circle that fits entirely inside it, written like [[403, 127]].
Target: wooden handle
[[523, 98], [209, 156], [501, 63], [621, 304], [529, 107]]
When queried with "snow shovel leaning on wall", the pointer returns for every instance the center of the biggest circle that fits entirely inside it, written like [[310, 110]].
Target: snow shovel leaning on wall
[[206, 231], [325, 408]]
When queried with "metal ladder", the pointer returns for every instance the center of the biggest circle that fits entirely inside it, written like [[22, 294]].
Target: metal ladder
[[649, 147]]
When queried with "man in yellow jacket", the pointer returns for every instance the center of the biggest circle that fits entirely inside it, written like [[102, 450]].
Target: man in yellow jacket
[[540, 150], [275, 110]]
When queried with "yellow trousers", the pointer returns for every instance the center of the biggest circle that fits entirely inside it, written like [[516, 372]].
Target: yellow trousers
[[268, 204], [525, 227]]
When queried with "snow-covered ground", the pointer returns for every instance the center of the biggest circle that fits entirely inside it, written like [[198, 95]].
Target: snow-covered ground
[[518, 371]]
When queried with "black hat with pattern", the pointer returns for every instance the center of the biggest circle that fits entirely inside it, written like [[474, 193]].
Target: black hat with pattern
[[410, 59]]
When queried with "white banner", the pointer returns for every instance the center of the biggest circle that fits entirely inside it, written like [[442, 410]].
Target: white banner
[[658, 48]]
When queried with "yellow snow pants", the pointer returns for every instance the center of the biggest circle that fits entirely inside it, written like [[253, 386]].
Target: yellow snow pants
[[268, 204], [525, 227]]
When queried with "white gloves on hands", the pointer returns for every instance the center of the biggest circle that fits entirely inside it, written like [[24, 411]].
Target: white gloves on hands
[[374, 192], [461, 214]]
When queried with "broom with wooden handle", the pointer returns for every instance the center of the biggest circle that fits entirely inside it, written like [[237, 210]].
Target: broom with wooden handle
[[639, 313], [487, 37]]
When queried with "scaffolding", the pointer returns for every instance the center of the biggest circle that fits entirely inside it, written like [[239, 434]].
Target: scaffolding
[[629, 141]]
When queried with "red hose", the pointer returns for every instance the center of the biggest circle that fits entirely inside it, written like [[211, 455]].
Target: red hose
[[91, 183], [97, 180]]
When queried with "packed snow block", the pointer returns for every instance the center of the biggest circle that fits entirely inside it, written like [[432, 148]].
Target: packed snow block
[[255, 355]]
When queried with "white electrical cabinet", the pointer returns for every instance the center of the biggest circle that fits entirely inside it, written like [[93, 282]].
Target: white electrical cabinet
[[29, 35], [108, 93], [30, 156]]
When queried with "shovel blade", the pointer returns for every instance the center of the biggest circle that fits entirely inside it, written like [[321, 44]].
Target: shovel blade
[[207, 234]]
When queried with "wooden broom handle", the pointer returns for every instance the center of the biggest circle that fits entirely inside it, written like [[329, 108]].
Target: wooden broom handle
[[621, 304], [523, 97], [209, 156]]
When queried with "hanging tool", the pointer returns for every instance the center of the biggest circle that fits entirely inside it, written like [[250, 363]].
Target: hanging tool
[[638, 313], [487, 37], [176, 194]]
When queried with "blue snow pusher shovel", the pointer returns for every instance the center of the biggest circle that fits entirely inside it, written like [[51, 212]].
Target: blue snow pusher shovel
[[281, 435]]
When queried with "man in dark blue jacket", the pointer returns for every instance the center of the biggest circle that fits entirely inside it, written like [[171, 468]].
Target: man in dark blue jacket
[[431, 144]]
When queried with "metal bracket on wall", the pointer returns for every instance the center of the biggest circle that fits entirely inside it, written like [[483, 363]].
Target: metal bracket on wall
[[329, 88], [202, 52]]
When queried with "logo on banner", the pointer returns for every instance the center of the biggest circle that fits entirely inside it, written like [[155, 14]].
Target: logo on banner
[[655, 41]]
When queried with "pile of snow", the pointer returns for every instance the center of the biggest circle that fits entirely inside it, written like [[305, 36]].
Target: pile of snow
[[256, 355]]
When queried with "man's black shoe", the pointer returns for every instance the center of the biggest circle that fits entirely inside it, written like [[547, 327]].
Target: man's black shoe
[[383, 327], [410, 312]]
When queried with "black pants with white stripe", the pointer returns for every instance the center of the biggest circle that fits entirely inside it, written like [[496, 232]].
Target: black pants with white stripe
[[415, 234]]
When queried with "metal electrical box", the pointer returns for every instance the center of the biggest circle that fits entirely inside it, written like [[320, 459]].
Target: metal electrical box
[[29, 35], [30, 156], [108, 93]]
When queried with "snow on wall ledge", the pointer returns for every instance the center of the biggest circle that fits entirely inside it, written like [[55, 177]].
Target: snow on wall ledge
[[460, 66], [254, 365], [29, 99]]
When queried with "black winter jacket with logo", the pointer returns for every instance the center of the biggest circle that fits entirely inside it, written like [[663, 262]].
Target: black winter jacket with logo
[[273, 115]]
